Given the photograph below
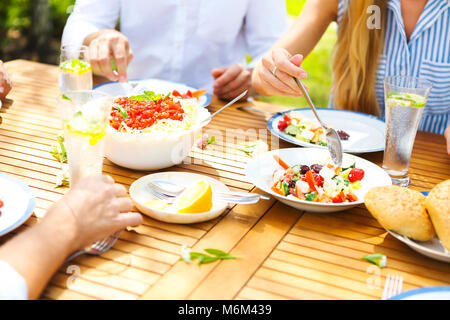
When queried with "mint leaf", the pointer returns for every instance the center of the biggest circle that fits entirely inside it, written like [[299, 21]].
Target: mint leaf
[[378, 259], [211, 140], [122, 111]]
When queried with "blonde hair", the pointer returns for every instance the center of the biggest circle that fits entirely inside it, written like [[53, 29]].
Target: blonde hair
[[355, 58]]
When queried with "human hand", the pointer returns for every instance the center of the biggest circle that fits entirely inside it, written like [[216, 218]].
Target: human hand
[[269, 81], [5, 81], [231, 81], [106, 45], [447, 137], [93, 209]]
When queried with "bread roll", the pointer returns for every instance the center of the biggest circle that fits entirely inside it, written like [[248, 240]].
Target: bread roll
[[401, 210], [438, 206]]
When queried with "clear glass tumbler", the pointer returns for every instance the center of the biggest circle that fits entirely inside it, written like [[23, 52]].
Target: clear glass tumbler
[[75, 71], [405, 100], [85, 116]]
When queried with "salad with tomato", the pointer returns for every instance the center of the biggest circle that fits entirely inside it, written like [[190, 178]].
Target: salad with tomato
[[323, 183], [307, 130]]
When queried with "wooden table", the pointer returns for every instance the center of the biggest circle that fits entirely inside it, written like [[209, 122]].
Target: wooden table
[[284, 253]]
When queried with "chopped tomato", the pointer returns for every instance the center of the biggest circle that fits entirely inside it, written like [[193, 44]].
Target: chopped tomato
[[339, 198], [287, 119], [281, 162], [1, 203], [310, 180], [352, 197], [318, 179], [282, 125], [143, 114], [356, 175]]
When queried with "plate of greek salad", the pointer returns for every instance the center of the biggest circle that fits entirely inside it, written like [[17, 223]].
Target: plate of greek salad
[[177, 90], [359, 132], [307, 179]]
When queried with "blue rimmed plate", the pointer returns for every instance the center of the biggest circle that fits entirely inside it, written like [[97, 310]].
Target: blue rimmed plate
[[431, 293], [18, 203], [367, 132], [156, 85]]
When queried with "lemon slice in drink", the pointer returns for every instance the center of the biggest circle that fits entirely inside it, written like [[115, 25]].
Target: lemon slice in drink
[[75, 66], [84, 127], [195, 199]]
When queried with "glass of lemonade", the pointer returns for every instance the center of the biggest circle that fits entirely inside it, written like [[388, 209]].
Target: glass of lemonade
[[75, 71], [85, 116], [405, 100]]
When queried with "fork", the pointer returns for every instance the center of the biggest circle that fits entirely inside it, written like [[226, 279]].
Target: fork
[[98, 247], [392, 287], [231, 199]]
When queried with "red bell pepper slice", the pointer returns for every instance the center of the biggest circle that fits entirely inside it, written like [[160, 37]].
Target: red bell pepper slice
[[310, 180], [281, 162]]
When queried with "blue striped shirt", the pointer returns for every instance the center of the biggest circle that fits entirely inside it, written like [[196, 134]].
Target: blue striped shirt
[[426, 55]]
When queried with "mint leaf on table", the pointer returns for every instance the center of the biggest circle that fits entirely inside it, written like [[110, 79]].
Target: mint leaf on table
[[59, 151], [66, 97], [249, 149], [211, 140], [214, 254], [378, 259]]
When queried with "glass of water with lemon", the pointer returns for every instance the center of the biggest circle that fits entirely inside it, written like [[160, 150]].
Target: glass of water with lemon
[[75, 71], [85, 117], [405, 100]]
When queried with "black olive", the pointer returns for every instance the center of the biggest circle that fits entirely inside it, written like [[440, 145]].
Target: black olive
[[304, 169], [316, 168], [292, 184]]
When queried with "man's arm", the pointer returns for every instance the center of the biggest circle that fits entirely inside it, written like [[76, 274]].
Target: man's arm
[[91, 210], [90, 16]]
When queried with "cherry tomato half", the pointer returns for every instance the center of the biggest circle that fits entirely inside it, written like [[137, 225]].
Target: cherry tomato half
[[356, 175]]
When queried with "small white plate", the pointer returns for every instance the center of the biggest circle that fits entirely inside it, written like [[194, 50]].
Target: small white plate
[[432, 249], [140, 194], [155, 85], [431, 293], [367, 132], [259, 171], [18, 203]]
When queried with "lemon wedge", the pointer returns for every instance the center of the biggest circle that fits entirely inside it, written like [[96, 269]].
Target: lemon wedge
[[195, 199], [156, 204]]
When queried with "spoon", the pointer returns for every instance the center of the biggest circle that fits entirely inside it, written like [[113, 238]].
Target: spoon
[[208, 119], [333, 141], [172, 189]]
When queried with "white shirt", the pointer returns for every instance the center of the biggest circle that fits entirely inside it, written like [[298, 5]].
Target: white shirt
[[12, 284], [183, 40]]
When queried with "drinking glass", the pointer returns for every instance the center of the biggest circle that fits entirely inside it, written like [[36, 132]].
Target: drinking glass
[[84, 115], [75, 71], [405, 100]]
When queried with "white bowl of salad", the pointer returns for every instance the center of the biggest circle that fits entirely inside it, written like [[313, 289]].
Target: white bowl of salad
[[307, 179], [152, 131]]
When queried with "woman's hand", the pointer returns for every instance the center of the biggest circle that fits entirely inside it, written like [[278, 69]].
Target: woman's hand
[[447, 137], [106, 45], [5, 81], [274, 73], [95, 208]]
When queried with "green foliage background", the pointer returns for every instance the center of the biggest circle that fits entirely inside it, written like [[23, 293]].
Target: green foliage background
[[16, 21]]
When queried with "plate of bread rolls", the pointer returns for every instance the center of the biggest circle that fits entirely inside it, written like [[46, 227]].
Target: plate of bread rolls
[[421, 222]]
